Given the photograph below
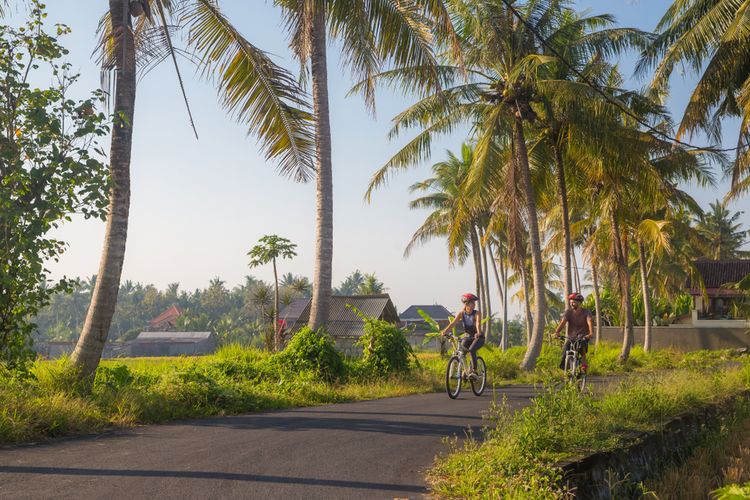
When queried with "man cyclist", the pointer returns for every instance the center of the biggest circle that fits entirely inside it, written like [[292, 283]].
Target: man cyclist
[[471, 318], [580, 326]]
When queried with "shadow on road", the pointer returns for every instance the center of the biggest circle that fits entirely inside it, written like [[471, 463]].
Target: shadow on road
[[228, 476]]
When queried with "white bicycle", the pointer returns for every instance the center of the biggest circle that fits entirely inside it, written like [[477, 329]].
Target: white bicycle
[[459, 371]]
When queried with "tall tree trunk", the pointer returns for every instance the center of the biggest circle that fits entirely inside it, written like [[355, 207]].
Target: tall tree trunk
[[567, 246], [500, 291], [276, 327], [321, 294], [88, 350], [646, 300], [540, 302], [486, 281], [576, 274], [527, 305], [597, 303], [475, 254], [623, 278], [504, 274]]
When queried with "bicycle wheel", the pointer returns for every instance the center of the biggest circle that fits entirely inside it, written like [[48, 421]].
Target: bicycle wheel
[[581, 383], [478, 383], [570, 369], [453, 375]]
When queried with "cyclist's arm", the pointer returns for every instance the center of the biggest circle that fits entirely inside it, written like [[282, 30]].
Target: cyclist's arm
[[479, 324], [590, 323], [560, 326], [452, 323]]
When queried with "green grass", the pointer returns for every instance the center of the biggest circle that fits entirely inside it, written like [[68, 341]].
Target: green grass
[[149, 390], [236, 380], [517, 459]]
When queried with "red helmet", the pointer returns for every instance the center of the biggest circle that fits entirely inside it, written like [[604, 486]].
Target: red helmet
[[576, 296], [469, 297]]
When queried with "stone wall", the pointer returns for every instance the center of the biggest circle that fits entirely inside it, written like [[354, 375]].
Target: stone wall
[[685, 338], [596, 476]]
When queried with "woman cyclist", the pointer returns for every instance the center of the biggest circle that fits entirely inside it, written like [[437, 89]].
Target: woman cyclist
[[471, 318]]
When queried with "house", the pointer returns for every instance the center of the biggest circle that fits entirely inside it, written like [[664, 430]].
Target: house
[[714, 304], [416, 327], [174, 343], [411, 317], [344, 324], [166, 321]]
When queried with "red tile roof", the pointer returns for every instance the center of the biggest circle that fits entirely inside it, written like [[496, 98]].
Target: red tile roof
[[169, 315]]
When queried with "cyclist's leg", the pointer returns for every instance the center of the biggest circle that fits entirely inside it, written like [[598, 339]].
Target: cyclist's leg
[[565, 348], [584, 350], [475, 345]]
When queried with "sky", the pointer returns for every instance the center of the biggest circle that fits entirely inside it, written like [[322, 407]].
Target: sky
[[198, 206]]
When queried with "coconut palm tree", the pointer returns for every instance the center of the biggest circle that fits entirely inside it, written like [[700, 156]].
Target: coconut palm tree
[[710, 37], [722, 233], [137, 34], [372, 34]]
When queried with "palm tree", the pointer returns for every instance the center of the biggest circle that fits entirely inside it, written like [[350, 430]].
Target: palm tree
[[710, 37], [371, 285], [270, 248], [722, 234], [264, 97], [372, 34]]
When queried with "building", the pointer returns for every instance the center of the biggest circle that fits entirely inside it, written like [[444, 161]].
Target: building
[[715, 304], [173, 344], [166, 321], [344, 324], [416, 327]]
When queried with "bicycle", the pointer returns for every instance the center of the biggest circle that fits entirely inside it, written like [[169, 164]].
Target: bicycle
[[459, 371], [574, 374]]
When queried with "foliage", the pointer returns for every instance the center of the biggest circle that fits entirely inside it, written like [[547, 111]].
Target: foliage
[[48, 171], [733, 492], [518, 456], [722, 234], [358, 283], [385, 348], [313, 351], [270, 248]]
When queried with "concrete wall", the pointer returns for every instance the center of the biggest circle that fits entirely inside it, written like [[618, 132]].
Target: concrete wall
[[685, 338]]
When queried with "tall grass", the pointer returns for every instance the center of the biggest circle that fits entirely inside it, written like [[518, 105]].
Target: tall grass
[[517, 459], [136, 391]]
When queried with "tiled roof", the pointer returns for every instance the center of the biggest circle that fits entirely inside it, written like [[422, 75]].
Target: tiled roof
[[343, 321], [294, 310], [173, 336], [436, 312], [716, 273], [170, 314]]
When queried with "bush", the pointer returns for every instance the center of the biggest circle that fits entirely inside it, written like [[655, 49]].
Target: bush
[[385, 348], [312, 351]]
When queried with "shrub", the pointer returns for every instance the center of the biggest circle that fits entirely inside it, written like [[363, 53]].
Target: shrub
[[312, 351], [385, 348]]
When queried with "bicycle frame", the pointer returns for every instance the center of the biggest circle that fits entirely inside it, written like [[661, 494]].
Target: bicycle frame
[[460, 351]]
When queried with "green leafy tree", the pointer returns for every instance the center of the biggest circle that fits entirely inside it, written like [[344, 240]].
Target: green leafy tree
[[270, 248], [48, 171]]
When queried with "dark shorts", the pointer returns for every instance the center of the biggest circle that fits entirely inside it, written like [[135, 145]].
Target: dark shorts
[[583, 350]]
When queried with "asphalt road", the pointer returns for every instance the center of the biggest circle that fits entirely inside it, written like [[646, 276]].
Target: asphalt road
[[372, 449]]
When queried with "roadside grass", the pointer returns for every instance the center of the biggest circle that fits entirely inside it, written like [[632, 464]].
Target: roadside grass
[[518, 456], [237, 379], [719, 465], [139, 391]]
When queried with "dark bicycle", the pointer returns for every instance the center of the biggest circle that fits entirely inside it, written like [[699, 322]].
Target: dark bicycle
[[574, 373]]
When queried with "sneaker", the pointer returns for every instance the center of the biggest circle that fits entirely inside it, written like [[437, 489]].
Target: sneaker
[[473, 375], [584, 367]]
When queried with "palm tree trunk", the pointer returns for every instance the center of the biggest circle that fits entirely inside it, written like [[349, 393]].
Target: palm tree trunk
[[276, 329], [500, 291], [321, 295], [88, 350], [567, 246], [597, 304], [486, 282], [623, 275], [527, 305], [646, 300], [504, 274], [540, 303], [475, 254]]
